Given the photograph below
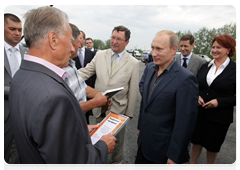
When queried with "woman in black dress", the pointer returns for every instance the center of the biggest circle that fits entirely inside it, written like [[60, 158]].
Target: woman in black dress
[[217, 98]]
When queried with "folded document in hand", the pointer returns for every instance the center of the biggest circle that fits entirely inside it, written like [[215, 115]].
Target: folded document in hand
[[111, 93], [113, 122]]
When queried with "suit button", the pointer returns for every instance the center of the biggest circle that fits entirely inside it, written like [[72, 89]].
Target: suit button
[[207, 94]]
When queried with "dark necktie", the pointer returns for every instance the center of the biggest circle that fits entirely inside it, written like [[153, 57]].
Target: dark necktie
[[185, 63]]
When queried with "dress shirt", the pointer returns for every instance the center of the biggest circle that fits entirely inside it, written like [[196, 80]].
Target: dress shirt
[[75, 82], [188, 58], [17, 53], [62, 73], [83, 53], [119, 56], [212, 73], [156, 79], [92, 49]]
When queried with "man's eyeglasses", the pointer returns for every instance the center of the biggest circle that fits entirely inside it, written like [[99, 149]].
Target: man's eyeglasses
[[117, 39], [88, 42]]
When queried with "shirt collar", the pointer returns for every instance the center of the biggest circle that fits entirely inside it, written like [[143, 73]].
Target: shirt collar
[[119, 54], [188, 57], [156, 67], [224, 65], [83, 49], [62, 73], [71, 62], [7, 46]]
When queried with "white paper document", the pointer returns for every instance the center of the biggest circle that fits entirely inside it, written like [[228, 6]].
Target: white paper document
[[109, 125]]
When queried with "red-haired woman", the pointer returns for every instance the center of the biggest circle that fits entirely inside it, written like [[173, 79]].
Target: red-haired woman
[[217, 98]]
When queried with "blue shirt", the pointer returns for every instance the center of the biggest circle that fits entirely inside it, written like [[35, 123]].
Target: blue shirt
[[119, 56], [188, 58]]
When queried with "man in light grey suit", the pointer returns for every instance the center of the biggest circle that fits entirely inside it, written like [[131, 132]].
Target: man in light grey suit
[[115, 68], [12, 37], [49, 126], [187, 58]]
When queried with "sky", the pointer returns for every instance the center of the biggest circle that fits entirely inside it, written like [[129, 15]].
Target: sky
[[144, 21]]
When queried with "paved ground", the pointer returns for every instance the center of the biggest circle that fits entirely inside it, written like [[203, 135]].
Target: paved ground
[[227, 155]]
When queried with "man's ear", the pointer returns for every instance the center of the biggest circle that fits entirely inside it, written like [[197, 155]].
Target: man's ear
[[175, 48], [193, 45], [53, 40]]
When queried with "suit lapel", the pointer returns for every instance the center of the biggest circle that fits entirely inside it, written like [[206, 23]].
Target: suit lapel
[[86, 57], [148, 76], [166, 79], [22, 51], [6, 64], [204, 72], [108, 61], [77, 62], [121, 63], [230, 69], [192, 62]]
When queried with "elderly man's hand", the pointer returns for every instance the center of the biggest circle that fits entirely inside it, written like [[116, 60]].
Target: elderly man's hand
[[92, 127], [110, 140]]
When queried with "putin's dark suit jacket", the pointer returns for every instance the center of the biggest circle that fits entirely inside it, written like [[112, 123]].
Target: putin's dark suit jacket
[[223, 88], [167, 121], [48, 123], [88, 58]]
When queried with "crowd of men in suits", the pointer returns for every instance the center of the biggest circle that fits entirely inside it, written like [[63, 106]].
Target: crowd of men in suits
[[60, 81]]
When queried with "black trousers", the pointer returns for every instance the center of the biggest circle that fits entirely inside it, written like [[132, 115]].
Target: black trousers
[[141, 163], [8, 138]]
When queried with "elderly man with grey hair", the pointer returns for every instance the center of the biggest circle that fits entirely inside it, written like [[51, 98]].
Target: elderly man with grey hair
[[48, 123]]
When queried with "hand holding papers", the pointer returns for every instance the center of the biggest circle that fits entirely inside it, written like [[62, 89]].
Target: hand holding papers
[[110, 140], [113, 122], [111, 93]]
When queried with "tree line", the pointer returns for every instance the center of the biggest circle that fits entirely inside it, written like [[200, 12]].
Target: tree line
[[203, 39]]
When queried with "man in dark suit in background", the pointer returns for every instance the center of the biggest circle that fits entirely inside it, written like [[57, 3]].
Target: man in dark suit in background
[[150, 59], [13, 54], [89, 43], [187, 58], [169, 105], [84, 57], [48, 123]]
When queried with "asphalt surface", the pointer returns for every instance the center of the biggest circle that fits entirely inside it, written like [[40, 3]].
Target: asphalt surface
[[227, 154]]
